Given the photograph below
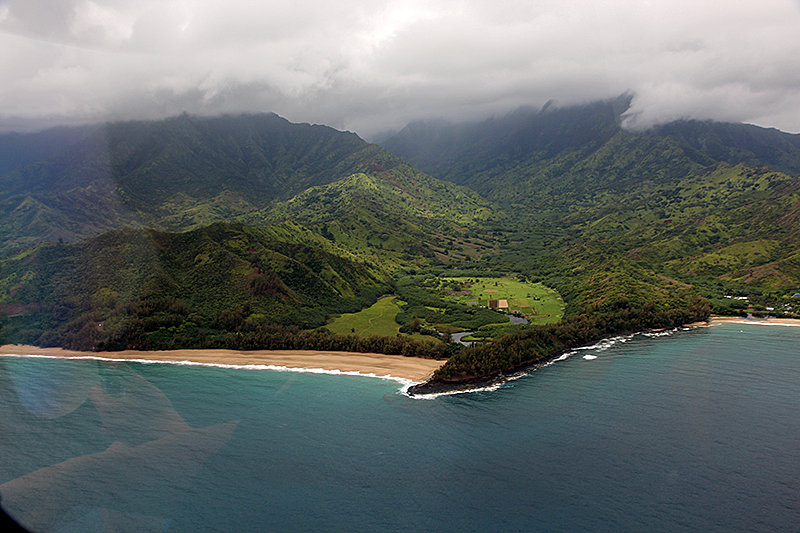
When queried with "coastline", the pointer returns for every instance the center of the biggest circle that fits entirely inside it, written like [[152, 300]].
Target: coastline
[[488, 382], [498, 378], [412, 371], [757, 321], [395, 367]]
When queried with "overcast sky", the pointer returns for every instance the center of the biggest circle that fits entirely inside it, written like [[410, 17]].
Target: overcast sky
[[372, 66]]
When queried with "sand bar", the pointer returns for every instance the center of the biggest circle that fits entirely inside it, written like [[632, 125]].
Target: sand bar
[[396, 366]]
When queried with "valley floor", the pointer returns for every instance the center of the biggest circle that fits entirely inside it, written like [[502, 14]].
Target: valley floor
[[395, 366]]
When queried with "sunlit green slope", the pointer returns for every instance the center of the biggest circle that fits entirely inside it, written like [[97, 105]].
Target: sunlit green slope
[[388, 211], [182, 173], [144, 288]]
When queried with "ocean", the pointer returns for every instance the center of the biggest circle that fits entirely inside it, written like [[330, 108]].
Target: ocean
[[694, 430]]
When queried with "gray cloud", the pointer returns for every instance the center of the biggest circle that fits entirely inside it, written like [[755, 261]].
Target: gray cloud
[[372, 65]]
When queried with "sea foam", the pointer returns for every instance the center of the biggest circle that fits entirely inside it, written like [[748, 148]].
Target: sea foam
[[404, 382]]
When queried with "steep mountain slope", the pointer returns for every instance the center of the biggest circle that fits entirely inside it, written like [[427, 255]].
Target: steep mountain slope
[[174, 175], [554, 158], [604, 213], [141, 288], [738, 143], [736, 224], [334, 215], [20, 150], [500, 157], [387, 211]]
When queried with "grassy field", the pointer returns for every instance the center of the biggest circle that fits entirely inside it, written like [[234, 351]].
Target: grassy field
[[539, 304], [375, 320]]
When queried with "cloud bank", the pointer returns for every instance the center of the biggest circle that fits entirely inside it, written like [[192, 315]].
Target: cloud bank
[[374, 65]]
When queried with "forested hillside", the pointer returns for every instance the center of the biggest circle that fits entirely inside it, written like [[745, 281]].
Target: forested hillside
[[144, 288], [387, 212], [603, 212], [179, 174], [175, 175], [329, 218], [250, 231], [556, 157]]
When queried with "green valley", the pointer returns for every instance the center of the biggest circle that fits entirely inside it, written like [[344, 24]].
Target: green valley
[[250, 231]]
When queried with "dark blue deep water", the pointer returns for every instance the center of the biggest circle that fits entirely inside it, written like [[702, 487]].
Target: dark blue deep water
[[695, 431]]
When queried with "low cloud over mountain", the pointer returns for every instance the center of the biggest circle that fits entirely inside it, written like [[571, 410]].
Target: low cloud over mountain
[[375, 66]]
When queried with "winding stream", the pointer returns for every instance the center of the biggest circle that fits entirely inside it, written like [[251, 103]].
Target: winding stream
[[516, 320]]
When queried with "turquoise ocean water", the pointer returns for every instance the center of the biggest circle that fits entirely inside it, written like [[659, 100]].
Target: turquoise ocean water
[[694, 431]]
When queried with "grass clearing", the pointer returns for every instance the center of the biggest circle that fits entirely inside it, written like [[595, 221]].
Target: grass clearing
[[424, 338], [375, 320], [539, 304]]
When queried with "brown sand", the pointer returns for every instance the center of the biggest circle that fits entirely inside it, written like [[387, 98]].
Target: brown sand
[[738, 320], [397, 366]]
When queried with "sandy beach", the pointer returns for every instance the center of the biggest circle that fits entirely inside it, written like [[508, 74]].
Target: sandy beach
[[762, 321], [396, 366]]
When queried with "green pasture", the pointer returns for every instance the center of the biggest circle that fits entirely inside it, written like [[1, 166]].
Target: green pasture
[[375, 320], [423, 338], [539, 304]]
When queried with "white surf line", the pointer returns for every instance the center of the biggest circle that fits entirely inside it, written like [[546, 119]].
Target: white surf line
[[600, 346], [404, 382]]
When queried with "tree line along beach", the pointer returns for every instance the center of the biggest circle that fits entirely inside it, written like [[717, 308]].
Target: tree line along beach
[[393, 366]]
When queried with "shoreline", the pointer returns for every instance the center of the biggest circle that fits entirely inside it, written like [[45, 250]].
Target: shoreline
[[414, 373], [396, 367], [498, 378], [757, 321]]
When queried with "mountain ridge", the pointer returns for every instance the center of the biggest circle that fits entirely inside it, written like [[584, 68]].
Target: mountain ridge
[[528, 149], [178, 174]]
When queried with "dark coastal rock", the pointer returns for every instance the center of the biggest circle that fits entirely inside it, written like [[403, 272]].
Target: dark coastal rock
[[443, 386], [439, 386]]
